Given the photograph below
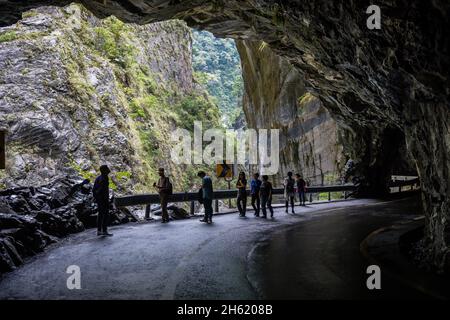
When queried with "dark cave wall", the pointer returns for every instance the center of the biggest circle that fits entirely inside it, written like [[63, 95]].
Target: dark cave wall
[[396, 78]]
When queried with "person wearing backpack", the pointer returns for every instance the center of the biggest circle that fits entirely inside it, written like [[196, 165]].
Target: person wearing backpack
[[241, 185], [206, 196], [100, 192], [265, 193], [289, 191], [255, 185], [164, 187]]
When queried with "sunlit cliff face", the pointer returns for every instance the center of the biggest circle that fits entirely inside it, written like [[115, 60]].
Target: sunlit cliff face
[[387, 87]]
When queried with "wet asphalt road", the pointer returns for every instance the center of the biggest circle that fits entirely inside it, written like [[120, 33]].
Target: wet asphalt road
[[311, 255]]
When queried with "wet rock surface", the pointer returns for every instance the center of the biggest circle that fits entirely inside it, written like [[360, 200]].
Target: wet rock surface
[[33, 218]]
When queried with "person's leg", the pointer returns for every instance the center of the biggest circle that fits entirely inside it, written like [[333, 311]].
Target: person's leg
[[105, 220], [208, 210], [258, 204], [254, 198], [269, 205], [205, 209], [287, 204], [244, 205], [239, 199], [263, 206], [100, 216], [165, 214]]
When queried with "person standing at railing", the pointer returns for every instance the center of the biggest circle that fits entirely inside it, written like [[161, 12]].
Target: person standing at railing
[[255, 185], [241, 185], [289, 192], [206, 196], [301, 189], [164, 187], [101, 196], [265, 193]]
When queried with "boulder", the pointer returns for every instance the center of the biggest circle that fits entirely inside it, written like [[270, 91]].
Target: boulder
[[175, 212], [33, 218], [9, 257]]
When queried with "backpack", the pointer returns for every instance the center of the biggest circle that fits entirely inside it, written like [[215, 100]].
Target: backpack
[[170, 191], [290, 185]]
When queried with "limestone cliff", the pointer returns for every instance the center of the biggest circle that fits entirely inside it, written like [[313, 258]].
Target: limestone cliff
[[276, 97], [76, 91]]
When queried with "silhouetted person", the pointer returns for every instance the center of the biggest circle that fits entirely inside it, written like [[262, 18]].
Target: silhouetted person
[[241, 185], [265, 193], [164, 189], [289, 191], [255, 185], [301, 189], [101, 196], [207, 196]]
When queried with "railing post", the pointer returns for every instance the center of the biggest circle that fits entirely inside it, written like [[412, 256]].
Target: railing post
[[147, 211], [329, 196], [310, 197], [216, 206], [345, 195], [192, 208]]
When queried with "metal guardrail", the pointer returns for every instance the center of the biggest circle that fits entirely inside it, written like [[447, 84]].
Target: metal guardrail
[[402, 183], [153, 198]]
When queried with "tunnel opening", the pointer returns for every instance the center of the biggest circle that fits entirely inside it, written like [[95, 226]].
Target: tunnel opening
[[393, 96]]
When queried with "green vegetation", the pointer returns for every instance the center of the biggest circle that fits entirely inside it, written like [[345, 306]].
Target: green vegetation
[[8, 36], [333, 196], [29, 14], [111, 40], [217, 66], [197, 108], [85, 174]]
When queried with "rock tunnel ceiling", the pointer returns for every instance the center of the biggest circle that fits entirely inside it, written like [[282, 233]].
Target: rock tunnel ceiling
[[387, 87]]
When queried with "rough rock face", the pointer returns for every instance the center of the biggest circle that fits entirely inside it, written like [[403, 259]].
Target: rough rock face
[[32, 218], [74, 92], [275, 97], [385, 86]]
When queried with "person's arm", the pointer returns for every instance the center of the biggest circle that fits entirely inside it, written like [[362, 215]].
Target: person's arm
[[103, 190]]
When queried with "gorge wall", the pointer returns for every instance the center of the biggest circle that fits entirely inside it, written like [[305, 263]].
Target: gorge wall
[[276, 98], [77, 91]]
